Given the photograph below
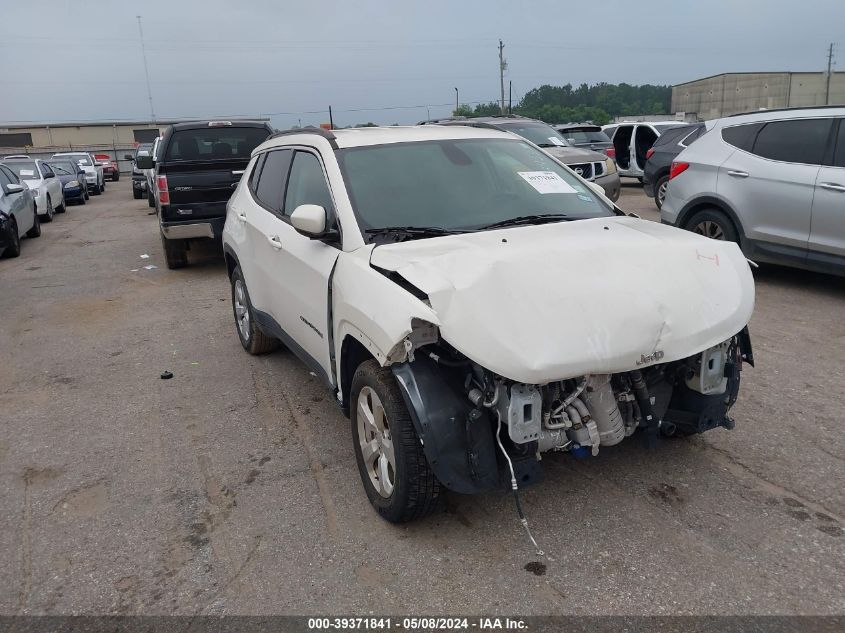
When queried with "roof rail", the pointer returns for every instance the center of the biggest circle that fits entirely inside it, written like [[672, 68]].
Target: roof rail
[[792, 109]]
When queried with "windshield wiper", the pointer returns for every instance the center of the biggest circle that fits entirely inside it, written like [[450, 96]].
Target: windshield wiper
[[421, 231], [540, 218]]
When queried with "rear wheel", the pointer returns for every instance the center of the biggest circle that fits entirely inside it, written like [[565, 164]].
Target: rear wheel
[[175, 253], [48, 217], [252, 338], [96, 190], [660, 190], [137, 193], [14, 247], [62, 207], [151, 200], [115, 176], [35, 231], [394, 470], [713, 223], [81, 199]]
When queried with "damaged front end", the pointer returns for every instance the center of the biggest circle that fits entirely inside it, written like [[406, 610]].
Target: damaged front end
[[465, 413]]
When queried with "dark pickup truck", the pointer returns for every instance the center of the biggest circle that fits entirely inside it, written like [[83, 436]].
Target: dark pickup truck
[[198, 166]]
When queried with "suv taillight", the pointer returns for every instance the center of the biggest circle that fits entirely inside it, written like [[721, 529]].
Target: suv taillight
[[611, 152], [649, 153], [677, 169], [163, 193]]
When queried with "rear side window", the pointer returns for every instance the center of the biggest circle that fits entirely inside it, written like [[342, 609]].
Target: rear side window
[[839, 154], [307, 184], [794, 141], [271, 180], [217, 143], [5, 178], [741, 136]]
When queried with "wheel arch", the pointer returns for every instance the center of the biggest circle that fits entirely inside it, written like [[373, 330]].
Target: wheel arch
[[353, 353], [231, 260], [705, 202]]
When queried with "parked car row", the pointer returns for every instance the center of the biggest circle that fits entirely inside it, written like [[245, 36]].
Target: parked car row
[[32, 191]]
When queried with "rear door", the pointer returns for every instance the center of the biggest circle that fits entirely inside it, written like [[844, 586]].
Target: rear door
[[54, 185], [771, 185], [203, 167], [827, 229]]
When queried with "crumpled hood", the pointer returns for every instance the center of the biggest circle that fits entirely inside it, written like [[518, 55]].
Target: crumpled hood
[[555, 301], [574, 155]]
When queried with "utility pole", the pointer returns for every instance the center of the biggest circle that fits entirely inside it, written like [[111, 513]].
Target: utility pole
[[829, 65], [510, 97], [457, 101], [502, 66], [146, 69]]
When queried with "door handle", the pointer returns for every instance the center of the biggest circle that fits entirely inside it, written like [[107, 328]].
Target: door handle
[[275, 242], [832, 186], [737, 174], [238, 172]]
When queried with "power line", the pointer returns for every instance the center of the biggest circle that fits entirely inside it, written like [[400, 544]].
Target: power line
[[829, 65], [146, 69]]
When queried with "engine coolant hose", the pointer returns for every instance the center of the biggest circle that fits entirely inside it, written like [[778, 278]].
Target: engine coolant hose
[[652, 422]]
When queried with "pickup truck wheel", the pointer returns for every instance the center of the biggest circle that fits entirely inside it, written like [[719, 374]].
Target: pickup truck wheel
[[714, 224], [151, 200], [252, 338], [175, 253], [394, 470], [136, 193]]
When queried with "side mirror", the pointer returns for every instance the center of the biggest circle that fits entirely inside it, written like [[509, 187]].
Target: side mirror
[[597, 189], [311, 220], [144, 161], [14, 188], [127, 157]]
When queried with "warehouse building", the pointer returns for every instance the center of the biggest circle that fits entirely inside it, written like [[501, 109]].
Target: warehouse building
[[732, 93]]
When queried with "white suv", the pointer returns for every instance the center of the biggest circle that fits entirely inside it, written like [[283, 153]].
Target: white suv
[[93, 170], [631, 142], [472, 303]]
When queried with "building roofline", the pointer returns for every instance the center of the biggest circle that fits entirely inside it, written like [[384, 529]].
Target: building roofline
[[762, 72], [16, 125]]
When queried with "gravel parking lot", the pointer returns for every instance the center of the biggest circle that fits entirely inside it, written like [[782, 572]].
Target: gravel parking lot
[[232, 488]]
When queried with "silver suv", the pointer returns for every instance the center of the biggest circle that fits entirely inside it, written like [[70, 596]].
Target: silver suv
[[772, 181]]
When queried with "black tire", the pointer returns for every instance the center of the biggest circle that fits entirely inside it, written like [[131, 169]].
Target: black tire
[[14, 247], [103, 186], [62, 207], [96, 190], [48, 217], [151, 199], [175, 253], [662, 182], [415, 490], [640, 179], [81, 200], [137, 193], [115, 177], [712, 223], [35, 231], [87, 195], [252, 339]]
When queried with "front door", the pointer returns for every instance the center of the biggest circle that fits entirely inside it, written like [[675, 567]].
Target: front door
[[827, 231]]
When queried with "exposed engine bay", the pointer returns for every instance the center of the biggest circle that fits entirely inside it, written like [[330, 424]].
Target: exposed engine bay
[[577, 415]]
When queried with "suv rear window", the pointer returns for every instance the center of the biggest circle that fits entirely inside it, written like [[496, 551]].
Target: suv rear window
[[219, 143], [741, 136]]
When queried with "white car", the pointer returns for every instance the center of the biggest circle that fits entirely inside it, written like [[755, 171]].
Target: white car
[[93, 170], [17, 213], [631, 142], [472, 303], [45, 185]]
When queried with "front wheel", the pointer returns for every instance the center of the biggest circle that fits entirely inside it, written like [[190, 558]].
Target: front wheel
[[96, 190], [48, 217], [714, 224], [136, 193], [14, 247], [252, 338], [62, 207], [151, 201], [35, 231], [115, 177], [660, 188], [394, 470]]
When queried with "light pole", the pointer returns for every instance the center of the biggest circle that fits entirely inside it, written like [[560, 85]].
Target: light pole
[[146, 69], [457, 101]]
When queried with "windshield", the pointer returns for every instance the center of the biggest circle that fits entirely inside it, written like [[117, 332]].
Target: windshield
[[144, 147], [585, 136], [215, 143], [81, 159], [63, 168], [26, 170], [462, 184], [538, 133]]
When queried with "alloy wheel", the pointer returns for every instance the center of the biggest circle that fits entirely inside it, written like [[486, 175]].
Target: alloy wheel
[[661, 192], [241, 310], [375, 442], [709, 229]]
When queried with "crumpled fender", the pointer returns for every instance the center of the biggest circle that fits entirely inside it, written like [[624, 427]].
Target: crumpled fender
[[461, 453]]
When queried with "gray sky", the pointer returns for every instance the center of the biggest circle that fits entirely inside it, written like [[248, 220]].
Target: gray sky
[[81, 59]]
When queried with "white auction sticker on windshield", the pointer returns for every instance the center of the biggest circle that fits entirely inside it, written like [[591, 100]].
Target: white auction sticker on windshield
[[554, 140], [27, 172], [546, 181]]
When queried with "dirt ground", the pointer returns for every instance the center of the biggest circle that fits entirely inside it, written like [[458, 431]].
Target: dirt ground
[[232, 488]]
